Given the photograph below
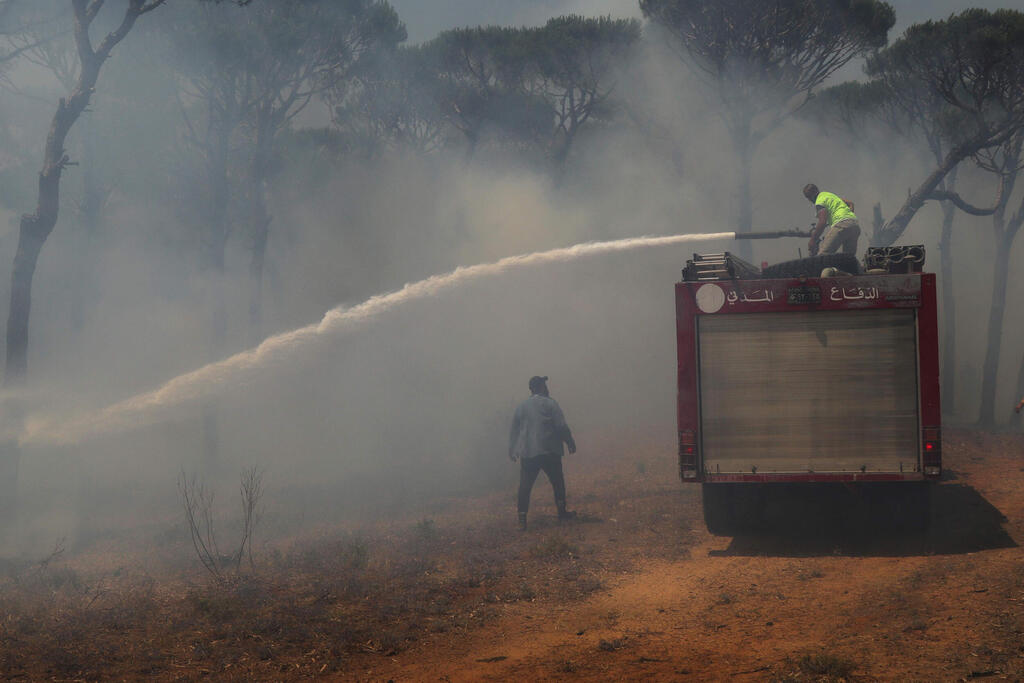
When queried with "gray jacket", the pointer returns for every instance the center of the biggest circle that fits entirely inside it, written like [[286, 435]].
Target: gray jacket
[[538, 427]]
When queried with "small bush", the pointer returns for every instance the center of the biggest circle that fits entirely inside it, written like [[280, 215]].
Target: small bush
[[553, 548], [825, 667]]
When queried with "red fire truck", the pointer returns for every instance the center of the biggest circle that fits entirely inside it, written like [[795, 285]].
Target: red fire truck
[[809, 373]]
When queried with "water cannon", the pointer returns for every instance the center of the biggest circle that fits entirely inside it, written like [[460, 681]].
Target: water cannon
[[775, 234], [728, 266]]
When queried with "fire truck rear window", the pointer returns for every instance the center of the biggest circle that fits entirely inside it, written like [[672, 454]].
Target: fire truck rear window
[[809, 391]]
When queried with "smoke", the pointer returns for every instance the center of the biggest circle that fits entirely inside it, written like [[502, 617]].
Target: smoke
[[402, 395], [143, 410]]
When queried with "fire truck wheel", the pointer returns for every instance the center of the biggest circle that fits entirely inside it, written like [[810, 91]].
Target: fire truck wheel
[[812, 267], [731, 509], [719, 512]]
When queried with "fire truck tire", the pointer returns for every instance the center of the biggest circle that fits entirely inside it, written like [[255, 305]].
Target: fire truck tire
[[731, 509], [719, 512], [812, 266]]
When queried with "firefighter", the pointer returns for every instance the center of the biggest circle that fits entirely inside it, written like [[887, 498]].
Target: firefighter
[[538, 432], [836, 214]]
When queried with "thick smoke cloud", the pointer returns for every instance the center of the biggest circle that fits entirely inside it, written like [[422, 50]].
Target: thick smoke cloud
[[414, 405]]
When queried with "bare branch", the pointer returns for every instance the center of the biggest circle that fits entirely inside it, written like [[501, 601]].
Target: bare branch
[[150, 6], [197, 503], [960, 203], [252, 493]]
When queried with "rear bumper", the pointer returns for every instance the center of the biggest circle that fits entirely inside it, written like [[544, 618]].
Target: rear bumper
[[808, 477]]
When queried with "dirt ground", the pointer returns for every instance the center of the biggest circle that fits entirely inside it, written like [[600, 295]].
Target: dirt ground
[[634, 589]]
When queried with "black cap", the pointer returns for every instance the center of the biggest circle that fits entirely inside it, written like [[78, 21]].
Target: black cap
[[537, 382]]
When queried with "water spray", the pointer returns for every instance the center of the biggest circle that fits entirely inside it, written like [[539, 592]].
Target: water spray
[[151, 407]]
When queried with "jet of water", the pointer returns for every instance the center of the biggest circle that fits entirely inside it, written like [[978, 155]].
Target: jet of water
[[209, 380]]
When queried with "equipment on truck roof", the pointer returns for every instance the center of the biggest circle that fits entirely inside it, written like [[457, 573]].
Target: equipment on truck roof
[[903, 259], [877, 260]]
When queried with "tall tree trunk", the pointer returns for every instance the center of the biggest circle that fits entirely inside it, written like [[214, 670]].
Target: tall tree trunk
[[10, 459], [30, 244], [213, 263], [1005, 232], [560, 155], [949, 364], [745, 154], [36, 228], [259, 221], [990, 370]]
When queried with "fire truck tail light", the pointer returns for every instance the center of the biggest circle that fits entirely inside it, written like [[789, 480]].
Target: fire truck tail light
[[688, 445], [931, 445], [688, 454]]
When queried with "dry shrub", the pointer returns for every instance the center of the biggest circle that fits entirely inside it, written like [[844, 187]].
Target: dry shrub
[[70, 626], [197, 501], [553, 548], [820, 667]]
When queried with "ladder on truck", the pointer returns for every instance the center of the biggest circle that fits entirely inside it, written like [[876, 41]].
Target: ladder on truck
[[723, 266]]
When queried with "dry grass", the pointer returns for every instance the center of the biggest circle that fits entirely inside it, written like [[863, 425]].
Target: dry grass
[[819, 667], [314, 606]]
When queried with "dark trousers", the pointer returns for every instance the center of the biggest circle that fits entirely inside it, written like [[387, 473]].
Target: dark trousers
[[531, 467]]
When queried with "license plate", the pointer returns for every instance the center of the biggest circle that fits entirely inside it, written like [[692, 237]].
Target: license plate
[[803, 295]]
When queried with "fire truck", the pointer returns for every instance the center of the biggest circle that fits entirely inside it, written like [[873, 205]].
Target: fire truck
[[821, 373]]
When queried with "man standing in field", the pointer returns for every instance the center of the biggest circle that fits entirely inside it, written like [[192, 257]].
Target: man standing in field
[[836, 214], [538, 432]]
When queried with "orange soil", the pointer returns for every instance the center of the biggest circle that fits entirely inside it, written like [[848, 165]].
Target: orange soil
[[948, 606], [636, 589]]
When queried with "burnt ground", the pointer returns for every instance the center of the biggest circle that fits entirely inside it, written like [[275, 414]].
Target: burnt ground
[[635, 589]]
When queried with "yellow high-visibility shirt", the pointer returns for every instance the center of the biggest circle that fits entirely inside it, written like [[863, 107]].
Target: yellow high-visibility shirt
[[837, 209]]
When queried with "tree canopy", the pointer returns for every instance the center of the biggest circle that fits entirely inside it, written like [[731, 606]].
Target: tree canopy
[[962, 81], [761, 61], [535, 85], [758, 56]]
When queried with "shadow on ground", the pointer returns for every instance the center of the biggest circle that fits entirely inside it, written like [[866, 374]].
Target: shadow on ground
[[962, 521]]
